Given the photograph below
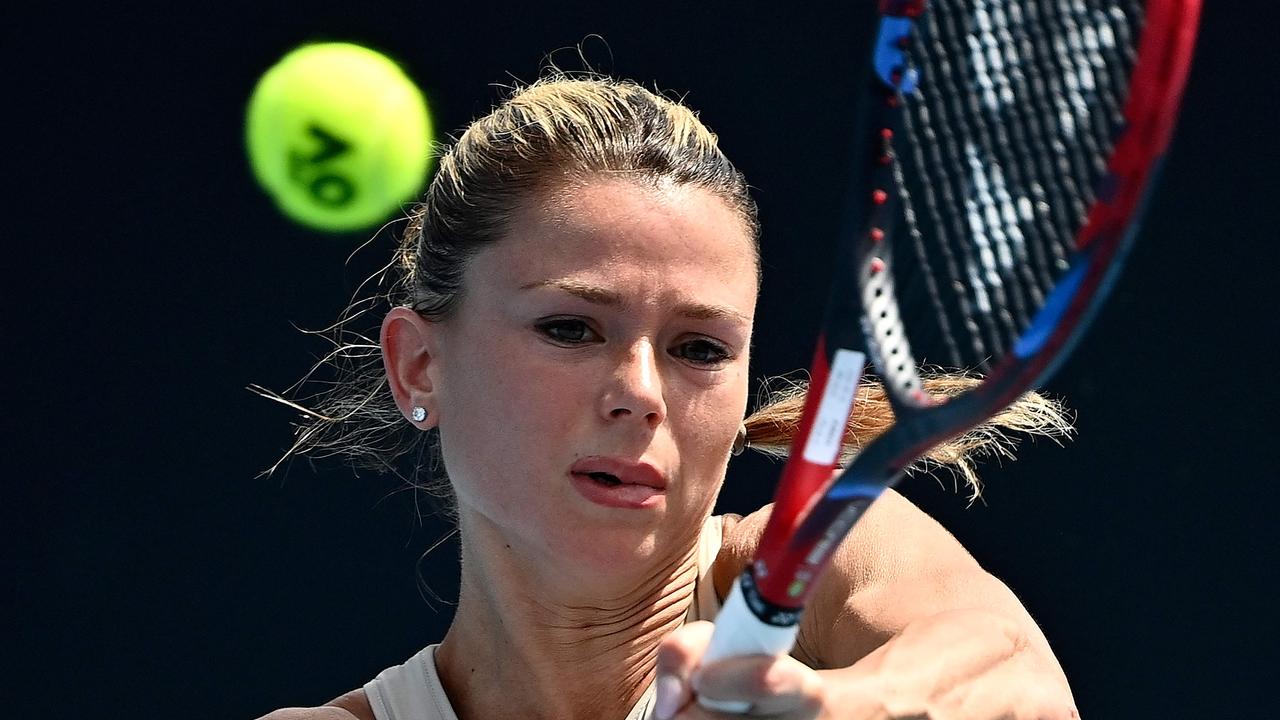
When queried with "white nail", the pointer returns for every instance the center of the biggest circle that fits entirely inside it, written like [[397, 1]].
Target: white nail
[[668, 692]]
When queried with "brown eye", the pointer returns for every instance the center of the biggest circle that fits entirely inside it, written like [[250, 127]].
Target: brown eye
[[703, 352], [567, 331]]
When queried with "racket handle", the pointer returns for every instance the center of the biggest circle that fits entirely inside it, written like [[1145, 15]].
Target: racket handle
[[739, 632]]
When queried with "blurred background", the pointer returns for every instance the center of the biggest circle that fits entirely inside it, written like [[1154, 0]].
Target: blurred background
[[148, 280]]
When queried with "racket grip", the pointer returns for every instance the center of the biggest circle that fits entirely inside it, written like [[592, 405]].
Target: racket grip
[[739, 632]]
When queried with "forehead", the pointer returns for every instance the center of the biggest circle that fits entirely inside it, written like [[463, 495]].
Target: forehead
[[619, 232]]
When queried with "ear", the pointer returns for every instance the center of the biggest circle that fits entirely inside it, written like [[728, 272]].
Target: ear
[[409, 346]]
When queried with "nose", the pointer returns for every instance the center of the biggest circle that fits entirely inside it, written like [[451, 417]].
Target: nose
[[635, 390]]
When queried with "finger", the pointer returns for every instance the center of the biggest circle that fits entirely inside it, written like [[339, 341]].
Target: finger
[[773, 686], [678, 656]]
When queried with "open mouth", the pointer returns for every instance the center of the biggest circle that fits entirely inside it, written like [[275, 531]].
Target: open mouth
[[605, 479], [619, 483], [612, 472]]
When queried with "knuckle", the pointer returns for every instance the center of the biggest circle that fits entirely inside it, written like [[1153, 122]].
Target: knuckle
[[752, 677], [763, 680], [672, 653], [811, 705], [684, 647], [815, 694]]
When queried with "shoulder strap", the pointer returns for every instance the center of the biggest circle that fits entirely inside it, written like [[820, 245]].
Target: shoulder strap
[[411, 691]]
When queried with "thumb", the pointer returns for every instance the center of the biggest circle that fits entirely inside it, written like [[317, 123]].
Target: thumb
[[678, 656]]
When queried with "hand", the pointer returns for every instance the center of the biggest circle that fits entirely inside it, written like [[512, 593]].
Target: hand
[[776, 687], [957, 665]]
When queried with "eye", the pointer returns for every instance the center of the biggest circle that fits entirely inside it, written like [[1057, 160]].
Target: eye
[[567, 331], [703, 352]]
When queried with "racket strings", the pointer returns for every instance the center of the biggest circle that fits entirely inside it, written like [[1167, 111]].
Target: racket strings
[[940, 129], [913, 307], [1000, 245], [1016, 137], [994, 56], [1008, 135]]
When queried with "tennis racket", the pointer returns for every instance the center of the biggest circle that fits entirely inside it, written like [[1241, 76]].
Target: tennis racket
[[1005, 152]]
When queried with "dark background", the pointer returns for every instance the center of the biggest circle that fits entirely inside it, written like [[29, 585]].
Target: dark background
[[148, 280]]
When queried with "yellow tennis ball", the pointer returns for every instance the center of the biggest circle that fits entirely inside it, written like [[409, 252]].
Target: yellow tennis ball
[[339, 136]]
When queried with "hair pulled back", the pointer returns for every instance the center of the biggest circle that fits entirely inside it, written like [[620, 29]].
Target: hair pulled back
[[555, 133]]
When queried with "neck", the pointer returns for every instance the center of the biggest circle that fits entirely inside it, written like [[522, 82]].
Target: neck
[[533, 645]]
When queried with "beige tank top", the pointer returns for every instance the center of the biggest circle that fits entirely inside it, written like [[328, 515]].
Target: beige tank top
[[412, 691]]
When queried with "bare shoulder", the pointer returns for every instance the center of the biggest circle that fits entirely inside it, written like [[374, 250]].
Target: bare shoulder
[[897, 563], [354, 702], [739, 537], [352, 706], [316, 713], [893, 537]]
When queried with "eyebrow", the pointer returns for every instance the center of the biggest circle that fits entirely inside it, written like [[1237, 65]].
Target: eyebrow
[[602, 296]]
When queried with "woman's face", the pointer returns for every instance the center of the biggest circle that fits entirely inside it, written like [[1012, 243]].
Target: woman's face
[[591, 381]]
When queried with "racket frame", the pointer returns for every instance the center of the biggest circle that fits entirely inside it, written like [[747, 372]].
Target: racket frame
[[814, 508]]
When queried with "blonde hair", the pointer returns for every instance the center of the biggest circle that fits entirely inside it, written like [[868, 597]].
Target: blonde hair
[[769, 430], [556, 132], [559, 131]]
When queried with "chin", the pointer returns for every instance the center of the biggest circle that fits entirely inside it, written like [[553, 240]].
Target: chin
[[612, 543], [620, 550]]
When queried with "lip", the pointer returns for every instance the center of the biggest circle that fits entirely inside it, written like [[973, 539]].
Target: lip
[[641, 485]]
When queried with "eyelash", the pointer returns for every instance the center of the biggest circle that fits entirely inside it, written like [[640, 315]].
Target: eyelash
[[552, 328], [549, 328], [721, 354]]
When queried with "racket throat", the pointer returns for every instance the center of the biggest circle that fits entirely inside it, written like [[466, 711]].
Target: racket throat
[[784, 575], [762, 608]]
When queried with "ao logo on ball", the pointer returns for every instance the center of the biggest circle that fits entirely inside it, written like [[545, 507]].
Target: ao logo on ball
[[339, 136], [316, 170]]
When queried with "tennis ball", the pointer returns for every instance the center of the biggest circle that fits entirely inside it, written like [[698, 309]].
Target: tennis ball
[[339, 136]]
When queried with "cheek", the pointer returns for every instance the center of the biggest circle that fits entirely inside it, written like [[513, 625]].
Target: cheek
[[494, 417], [705, 424]]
